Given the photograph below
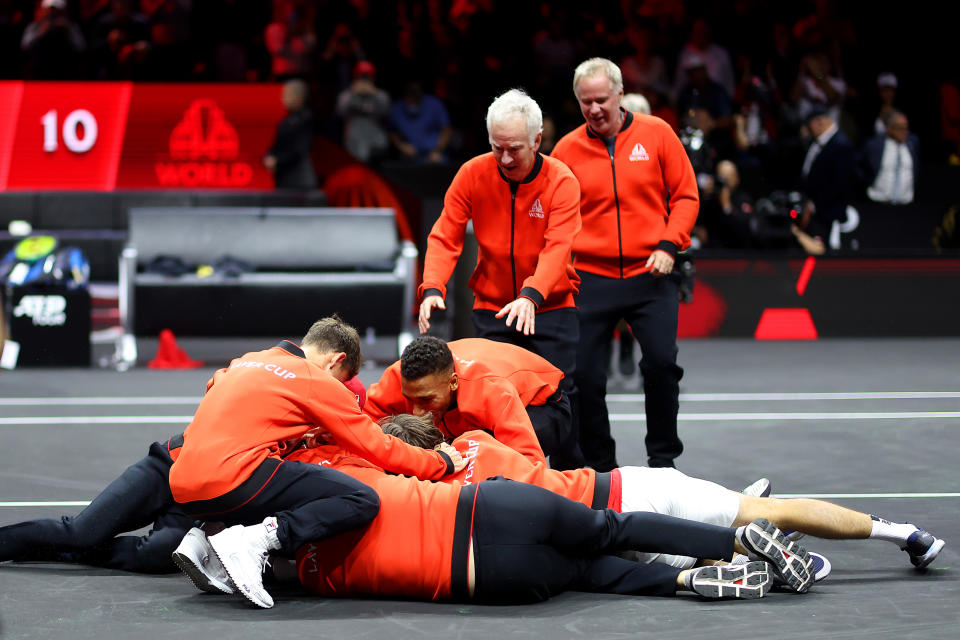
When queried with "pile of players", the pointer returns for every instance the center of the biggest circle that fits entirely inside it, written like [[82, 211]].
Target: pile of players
[[282, 455]]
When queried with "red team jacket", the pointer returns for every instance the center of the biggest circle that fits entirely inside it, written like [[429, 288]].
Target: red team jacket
[[411, 548], [407, 550], [524, 238], [266, 398], [497, 381], [623, 200]]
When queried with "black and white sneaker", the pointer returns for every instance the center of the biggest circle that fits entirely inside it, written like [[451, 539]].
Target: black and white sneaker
[[759, 489], [923, 547], [791, 562], [742, 581], [821, 566]]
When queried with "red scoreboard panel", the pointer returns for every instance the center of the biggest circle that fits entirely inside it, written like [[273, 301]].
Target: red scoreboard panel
[[120, 135]]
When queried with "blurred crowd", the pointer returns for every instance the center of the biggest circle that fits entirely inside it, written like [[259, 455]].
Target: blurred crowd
[[409, 80]]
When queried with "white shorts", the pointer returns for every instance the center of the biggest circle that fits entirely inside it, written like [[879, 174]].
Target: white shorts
[[670, 492]]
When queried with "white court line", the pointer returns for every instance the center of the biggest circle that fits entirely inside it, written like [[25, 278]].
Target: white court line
[[614, 417], [728, 397], [721, 417], [612, 397], [821, 496], [16, 402], [96, 420], [825, 496]]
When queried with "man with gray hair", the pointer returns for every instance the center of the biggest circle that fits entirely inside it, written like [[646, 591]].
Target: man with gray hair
[[639, 202], [525, 209]]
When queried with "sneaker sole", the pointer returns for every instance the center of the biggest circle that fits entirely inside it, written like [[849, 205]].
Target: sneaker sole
[[791, 562], [199, 579], [263, 604], [920, 562], [743, 581]]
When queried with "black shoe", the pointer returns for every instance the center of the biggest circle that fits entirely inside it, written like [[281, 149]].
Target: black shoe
[[655, 463], [742, 581], [923, 547], [791, 562]]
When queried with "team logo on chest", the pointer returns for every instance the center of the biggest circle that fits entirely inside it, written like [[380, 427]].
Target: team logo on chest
[[536, 210], [638, 153]]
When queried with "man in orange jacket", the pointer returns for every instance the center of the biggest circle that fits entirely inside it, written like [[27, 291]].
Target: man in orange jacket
[[638, 202], [525, 213], [666, 491], [232, 466], [478, 384]]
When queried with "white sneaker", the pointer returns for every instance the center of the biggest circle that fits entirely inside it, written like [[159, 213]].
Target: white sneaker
[[243, 552], [759, 489], [197, 559], [791, 562]]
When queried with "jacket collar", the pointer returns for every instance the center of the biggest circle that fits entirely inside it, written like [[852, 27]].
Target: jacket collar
[[291, 348], [627, 121], [534, 172]]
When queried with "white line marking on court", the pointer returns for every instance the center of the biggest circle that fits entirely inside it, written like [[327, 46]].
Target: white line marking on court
[[729, 397], [16, 402], [824, 496], [821, 496], [51, 503], [729, 417], [96, 420]]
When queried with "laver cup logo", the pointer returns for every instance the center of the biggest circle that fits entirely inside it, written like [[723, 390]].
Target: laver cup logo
[[46, 311], [203, 149]]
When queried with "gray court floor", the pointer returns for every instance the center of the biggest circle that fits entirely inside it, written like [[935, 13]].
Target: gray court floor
[[871, 424]]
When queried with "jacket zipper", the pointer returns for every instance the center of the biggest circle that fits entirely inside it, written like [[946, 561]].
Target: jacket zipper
[[513, 225], [616, 199]]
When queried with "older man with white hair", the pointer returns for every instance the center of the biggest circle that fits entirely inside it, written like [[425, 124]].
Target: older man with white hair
[[525, 209], [639, 202]]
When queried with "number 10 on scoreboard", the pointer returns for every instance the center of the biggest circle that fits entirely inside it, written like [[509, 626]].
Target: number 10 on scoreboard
[[79, 131]]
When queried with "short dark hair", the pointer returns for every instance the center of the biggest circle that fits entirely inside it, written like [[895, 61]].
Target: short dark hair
[[417, 431], [333, 334], [424, 356]]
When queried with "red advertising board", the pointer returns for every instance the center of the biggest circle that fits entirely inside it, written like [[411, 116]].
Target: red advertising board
[[102, 136]]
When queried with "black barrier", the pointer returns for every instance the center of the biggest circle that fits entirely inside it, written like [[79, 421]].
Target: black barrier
[[52, 326]]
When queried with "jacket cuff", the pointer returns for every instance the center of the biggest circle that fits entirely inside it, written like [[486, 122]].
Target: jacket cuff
[[431, 292], [669, 247], [532, 294], [446, 458]]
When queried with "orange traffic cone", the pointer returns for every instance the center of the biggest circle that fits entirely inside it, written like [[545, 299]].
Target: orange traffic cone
[[171, 356]]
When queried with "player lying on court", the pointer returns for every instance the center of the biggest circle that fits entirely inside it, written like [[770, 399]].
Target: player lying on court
[[667, 491], [500, 541]]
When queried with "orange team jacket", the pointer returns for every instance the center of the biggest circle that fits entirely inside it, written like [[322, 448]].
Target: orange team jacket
[[485, 458], [524, 232], [486, 398], [407, 550], [623, 199], [265, 399]]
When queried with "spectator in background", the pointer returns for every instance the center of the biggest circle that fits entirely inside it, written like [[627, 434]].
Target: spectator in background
[[701, 47], [728, 214], [341, 56], [636, 102], [827, 178], [121, 43], [52, 44], [291, 41], [420, 126], [642, 67], [364, 107], [818, 85], [887, 91], [289, 156], [12, 23], [891, 162], [169, 24], [702, 92]]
